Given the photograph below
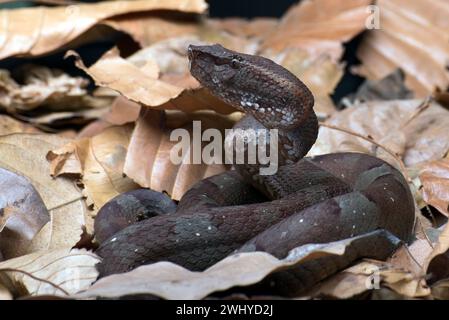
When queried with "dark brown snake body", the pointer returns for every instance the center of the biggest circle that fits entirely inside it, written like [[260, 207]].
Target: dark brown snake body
[[310, 200]]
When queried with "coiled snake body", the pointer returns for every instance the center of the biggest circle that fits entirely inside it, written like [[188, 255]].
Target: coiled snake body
[[310, 200]]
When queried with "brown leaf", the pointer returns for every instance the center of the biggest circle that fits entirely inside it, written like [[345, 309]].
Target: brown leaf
[[148, 159], [24, 154], [257, 27], [434, 177], [170, 281], [140, 85], [36, 31], [22, 210], [122, 111], [413, 35], [149, 29], [319, 26], [99, 161], [58, 272]]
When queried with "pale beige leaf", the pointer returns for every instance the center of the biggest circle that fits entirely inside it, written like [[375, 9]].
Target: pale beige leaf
[[39, 30], [99, 161], [71, 270], [25, 154]]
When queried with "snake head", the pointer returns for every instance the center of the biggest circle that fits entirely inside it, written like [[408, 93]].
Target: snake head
[[252, 84], [213, 66]]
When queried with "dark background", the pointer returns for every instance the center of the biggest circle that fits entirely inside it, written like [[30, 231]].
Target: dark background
[[217, 8], [249, 8]]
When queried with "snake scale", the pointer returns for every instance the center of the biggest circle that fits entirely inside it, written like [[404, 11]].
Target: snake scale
[[308, 200]]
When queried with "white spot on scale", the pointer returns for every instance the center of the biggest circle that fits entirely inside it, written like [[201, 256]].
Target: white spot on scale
[[301, 220], [113, 239], [197, 234]]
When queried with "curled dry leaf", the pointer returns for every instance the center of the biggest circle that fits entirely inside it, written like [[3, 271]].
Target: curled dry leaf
[[47, 87], [36, 31], [22, 210], [413, 35], [170, 281], [140, 85], [319, 26], [24, 154], [99, 161], [393, 124], [58, 272], [434, 177], [148, 159]]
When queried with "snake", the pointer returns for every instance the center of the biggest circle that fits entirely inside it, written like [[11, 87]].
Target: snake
[[308, 200]]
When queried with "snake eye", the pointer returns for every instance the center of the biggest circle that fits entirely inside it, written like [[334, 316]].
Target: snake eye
[[235, 63]]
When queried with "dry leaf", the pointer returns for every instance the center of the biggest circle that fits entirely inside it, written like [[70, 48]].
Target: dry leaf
[[122, 111], [148, 159], [139, 85], [368, 275], [434, 177], [170, 281], [417, 141], [22, 210], [9, 125], [71, 270], [99, 161], [257, 27], [319, 26], [4, 293], [51, 88], [414, 36], [149, 29], [24, 154], [36, 31]]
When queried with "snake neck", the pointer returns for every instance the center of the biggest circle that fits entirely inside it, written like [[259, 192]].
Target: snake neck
[[270, 95]]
